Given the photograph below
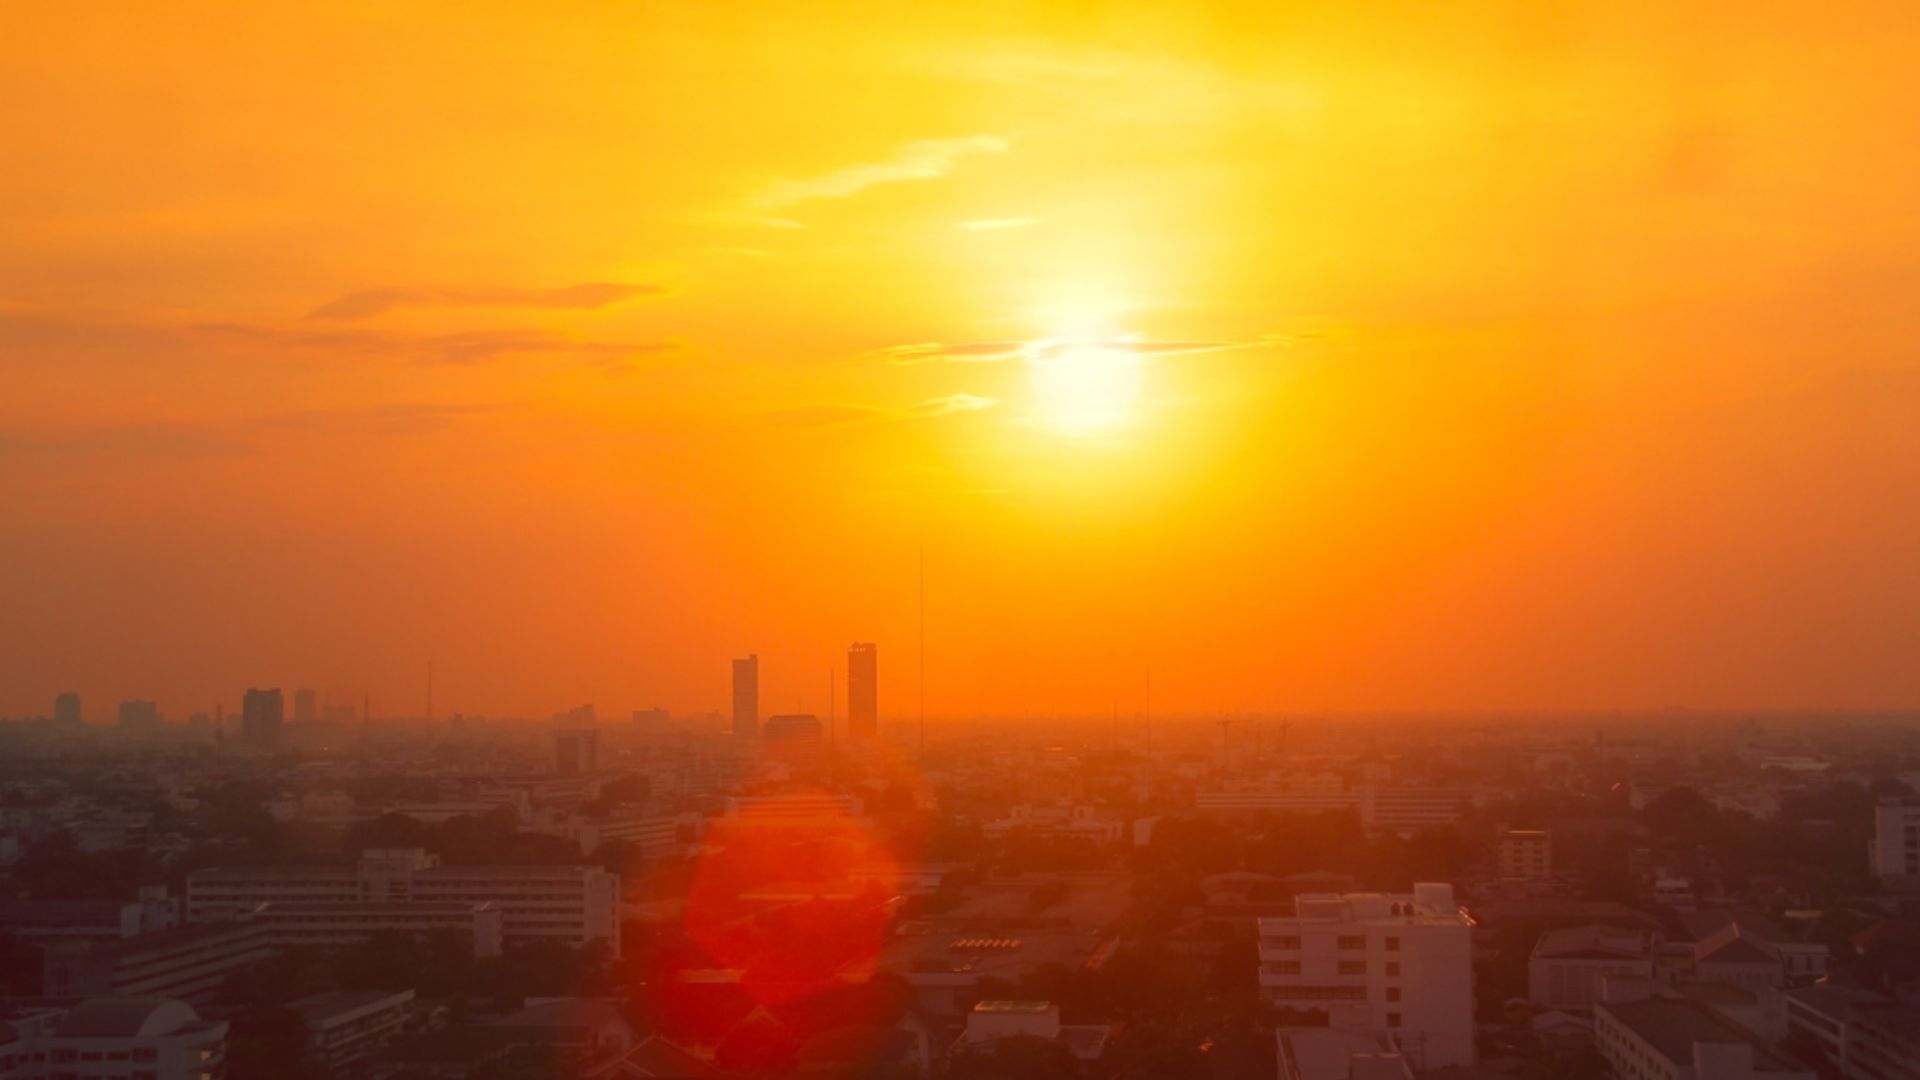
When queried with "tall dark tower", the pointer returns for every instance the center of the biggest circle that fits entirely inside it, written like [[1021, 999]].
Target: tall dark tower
[[261, 716], [746, 696], [863, 691]]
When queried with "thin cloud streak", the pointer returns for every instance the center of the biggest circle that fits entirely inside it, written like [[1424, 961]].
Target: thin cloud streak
[[927, 159], [373, 302], [462, 349], [820, 416], [996, 352]]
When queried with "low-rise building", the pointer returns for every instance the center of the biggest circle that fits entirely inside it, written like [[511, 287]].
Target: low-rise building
[[570, 904], [1679, 1038], [1568, 967], [1394, 965], [137, 1038], [1524, 855], [346, 1027], [188, 963]]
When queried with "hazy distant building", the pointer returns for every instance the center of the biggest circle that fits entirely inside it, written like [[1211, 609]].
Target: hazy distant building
[[66, 708], [655, 721], [1394, 965], [795, 729], [1895, 848], [863, 691], [576, 750], [139, 715], [306, 707], [746, 696], [262, 715], [339, 714], [1525, 855]]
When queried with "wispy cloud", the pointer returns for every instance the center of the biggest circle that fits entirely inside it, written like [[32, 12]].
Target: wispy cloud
[[221, 437], [995, 352], [927, 159], [464, 348], [848, 415], [992, 224], [373, 302]]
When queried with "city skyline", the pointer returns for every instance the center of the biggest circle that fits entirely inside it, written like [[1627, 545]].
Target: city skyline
[[1566, 365]]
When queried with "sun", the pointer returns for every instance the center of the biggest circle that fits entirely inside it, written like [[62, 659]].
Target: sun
[[1084, 388]]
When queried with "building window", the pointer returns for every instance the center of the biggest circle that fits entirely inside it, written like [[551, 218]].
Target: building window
[[1393, 1020], [1351, 942], [1353, 967], [1393, 944], [1393, 993], [1393, 967], [1284, 942]]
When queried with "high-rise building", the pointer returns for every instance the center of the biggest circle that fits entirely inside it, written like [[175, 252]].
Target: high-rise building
[[863, 691], [66, 708], [261, 716], [306, 707], [746, 696], [576, 750], [139, 715]]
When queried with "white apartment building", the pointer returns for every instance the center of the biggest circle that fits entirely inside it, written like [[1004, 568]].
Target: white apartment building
[[1524, 855], [1394, 965], [572, 904], [115, 1039], [1894, 852], [1568, 968]]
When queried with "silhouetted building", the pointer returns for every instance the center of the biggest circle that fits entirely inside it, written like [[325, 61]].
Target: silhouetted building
[[139, 715], [653, 721], [794, 729], [66, 708], [262, 714], [306, 707], [576, 750], [863, 690], [746, 696]]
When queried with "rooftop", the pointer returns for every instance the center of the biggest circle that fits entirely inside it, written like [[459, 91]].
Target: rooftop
[[125, 1018], [1673, 1025]]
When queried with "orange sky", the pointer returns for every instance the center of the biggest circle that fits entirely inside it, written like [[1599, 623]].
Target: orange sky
[[1482, 355]]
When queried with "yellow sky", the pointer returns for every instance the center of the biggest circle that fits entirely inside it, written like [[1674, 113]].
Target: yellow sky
[[1479, 355]]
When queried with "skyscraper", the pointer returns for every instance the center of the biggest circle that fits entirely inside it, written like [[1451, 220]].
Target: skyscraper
[[746, 696], [261, 715], [863, 690], [66, 708], [305, 707]]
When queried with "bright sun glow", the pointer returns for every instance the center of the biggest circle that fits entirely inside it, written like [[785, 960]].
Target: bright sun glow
[[1085, 389]]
